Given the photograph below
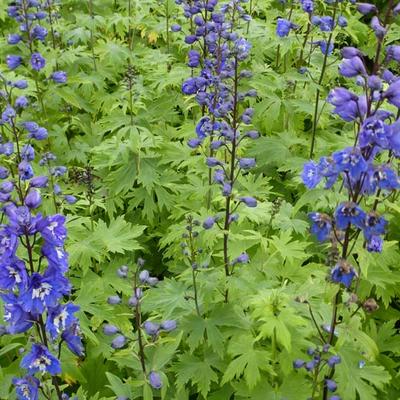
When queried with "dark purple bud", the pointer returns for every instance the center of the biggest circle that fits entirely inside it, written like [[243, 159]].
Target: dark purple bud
[[366, 8], [332, 361], [212, 162], [176, 28], [350, 52], [151, 328], [33, 199], [331, 385], [190, 39], [247, 163], [70, 199], [155, 380], [59, 77], [114, 300], [298, 364], [110, 330], [144, 276], [208, 222], [4, 172], [119, 342], [168, 325], [249, 201], [152, 281], [39, 181]]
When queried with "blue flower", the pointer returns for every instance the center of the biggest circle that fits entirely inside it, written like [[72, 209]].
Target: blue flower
[[374, 244], [8, 244], [53, 230], [349, 213], [57, 257], [249, 201], [14, 38], [343, 273], [18, 320], [392, 94], [151, 328], [168, 325], [39, 359], [326, 24], [39, 32], [27, 388], [307, 5], [366, 8], [384, 178], [25, 170], [43, 291], [37, 61], [374, 225], [13, 274], [60, 318], [351, 161], [72, 337], [311, 175], [283, 27], [322, 225], [110, 330], [119, 342]]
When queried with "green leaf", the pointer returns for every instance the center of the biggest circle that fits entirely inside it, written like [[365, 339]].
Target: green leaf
[[117, 386]]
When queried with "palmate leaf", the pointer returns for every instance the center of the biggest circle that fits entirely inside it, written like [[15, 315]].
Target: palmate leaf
[[195, 370], [247, 361], [354, 381]]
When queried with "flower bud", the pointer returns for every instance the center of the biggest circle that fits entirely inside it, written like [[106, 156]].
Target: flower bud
[[110, 330], [39, 181], [114, 300], [33, 199], [155, 380], [151, 328], [118, 342], [144, 276], [168, 325]]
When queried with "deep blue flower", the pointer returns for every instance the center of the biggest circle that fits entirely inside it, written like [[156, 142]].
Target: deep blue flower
[[52, 229], [27, 153], [333, 360], [13, 274], [392, 94], [351, 161], [39, 359], [13, 62], [27, 388], [393, 53], [176, 28], [72, 337], [298, 363], [8, 244], [242, 259], [322, 225], [43, 291], [343, 273], [25, 170], [374, 132], [60, 318], [283, 27], [208, 222], [349, 213], [242, 48], [311, 175], [39, 181], [21, 84], [307, 5], [21, 102], [70, 199], [4, 172], [374, 244], [8, 114], [14, 38], [323, 45], [39, 32], [37, 61], [384, 178], [155, 380], [374, 225], [226, 189], [326, 24]]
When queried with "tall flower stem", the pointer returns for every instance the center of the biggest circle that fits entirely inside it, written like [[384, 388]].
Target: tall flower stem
[[321, 78], [91, 14]]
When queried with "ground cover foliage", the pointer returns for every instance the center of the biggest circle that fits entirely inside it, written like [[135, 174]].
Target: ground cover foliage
[[199, 199]]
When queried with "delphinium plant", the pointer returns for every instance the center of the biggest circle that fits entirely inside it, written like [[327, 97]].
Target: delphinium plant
[[365, 174], [225, 125], [146, 333], [34, 263]]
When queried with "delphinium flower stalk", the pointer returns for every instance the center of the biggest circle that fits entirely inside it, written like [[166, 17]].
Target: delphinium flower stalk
[[366, 170], [322, 25], [146, 332], [33, 259], [223, 128], [31, 16]]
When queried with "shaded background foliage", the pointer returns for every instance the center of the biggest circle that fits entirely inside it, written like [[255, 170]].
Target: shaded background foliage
[[121, 125]]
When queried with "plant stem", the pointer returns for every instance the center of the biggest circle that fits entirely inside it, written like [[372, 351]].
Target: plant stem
[[92, 34]]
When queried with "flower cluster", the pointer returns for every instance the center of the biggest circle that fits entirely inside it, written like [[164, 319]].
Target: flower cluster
[[141, 281], [216, 82], [30, 15], [321, 358], [33, 260], [367, 168]]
